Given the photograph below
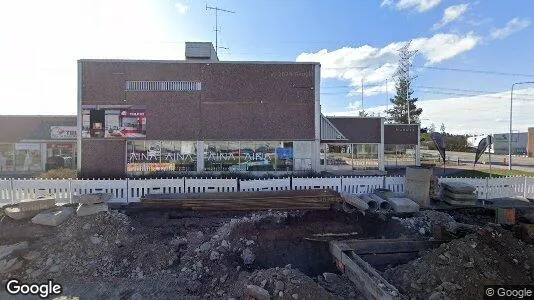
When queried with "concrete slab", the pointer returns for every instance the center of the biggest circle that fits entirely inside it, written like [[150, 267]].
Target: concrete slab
[[458, 187], [459, 202], [15, 213], [91, 209], [53, 218], [460, 196], [36, 204], [92, 198], [403, 205]]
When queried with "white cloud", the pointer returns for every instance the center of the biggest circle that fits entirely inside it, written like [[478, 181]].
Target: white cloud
[[481, 114], [182, 8], [451, 14], [443, 46], [417, 5], [514, 25], [375, 65]]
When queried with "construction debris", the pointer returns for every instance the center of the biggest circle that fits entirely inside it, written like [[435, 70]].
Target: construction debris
[[90, 209], [457, 193], [28, 208], [53, 217], [94, 198], [403, 205]]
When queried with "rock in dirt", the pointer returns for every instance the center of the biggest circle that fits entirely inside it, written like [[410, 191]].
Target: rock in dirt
[[7, 250], [247, 256], [256, 292], [214, 255], [95, 239], [10, 265], [54, 217], [295, 296], [31, 255], [330, 277], [438, 296]]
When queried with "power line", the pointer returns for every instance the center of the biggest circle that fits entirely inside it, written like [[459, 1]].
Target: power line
[[439, 69]]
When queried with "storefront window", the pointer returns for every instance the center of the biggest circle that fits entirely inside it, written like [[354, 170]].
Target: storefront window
[[28, 157], [60, 155], [150, 156], [352, 156], [7, 157], [248, 156]]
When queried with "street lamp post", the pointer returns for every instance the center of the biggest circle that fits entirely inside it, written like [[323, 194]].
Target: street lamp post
[[510, 136]]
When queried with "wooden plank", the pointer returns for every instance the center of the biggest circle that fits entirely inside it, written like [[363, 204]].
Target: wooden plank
[[390, 246], [366, 279]]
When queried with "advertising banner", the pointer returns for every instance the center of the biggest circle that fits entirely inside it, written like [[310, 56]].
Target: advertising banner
[[63, 132], [439, 141], [114, 122], [28, 146], [482, 145]]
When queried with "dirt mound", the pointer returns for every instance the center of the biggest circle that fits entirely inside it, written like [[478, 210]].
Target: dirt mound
[[459, 269], [100, 245]]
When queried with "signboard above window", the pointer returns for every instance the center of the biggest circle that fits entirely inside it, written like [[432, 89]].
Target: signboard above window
[[163, 86], [63, 132]]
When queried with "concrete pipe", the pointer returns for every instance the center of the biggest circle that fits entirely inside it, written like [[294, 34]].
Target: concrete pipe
[[383, 205], [373, 205], [354, 201]]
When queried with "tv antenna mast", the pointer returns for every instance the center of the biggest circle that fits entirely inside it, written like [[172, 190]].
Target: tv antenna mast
[[217, 9]]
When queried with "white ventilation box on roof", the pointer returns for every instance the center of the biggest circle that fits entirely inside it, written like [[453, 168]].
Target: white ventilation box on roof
[[200, 51]]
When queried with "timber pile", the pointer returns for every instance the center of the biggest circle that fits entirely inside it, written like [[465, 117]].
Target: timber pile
[[246, 201]]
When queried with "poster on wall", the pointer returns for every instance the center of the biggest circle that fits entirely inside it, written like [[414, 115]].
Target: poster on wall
[[118, 121], [63, 132]]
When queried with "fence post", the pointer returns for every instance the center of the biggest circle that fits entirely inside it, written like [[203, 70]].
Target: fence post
[[487, 188], [127, 190], [384, 182], [12, 191], [70, 190], [524, 186]]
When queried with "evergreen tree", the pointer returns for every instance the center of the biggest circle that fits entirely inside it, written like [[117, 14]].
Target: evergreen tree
[[399, 112]]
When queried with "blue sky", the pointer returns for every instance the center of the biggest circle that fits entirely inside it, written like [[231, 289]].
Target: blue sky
[[41, 42]]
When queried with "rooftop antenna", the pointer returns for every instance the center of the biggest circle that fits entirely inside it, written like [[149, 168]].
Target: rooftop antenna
[[217, 9]]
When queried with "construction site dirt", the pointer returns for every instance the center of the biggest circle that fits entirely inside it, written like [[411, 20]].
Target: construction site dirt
[[174, 254]]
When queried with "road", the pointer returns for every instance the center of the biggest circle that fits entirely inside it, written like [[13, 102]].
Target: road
[[498, 160]]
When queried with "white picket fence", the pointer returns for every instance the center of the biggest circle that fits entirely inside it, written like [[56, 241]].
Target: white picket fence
[[131, 190]]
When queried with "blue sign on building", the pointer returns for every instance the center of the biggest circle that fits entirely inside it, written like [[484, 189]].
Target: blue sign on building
[[284, 153]]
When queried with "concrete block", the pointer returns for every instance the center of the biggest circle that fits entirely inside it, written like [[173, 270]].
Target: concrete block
[[92, 198], [384, 193], [36, 204], [90, 209], [53, 218], [459, 187], [403, 205]]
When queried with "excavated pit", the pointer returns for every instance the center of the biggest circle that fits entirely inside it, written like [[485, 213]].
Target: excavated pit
[[302, 240]]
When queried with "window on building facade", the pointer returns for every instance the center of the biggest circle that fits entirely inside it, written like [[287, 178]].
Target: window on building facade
[[248, 156], [351, 156], [163, 86], [151, 156]]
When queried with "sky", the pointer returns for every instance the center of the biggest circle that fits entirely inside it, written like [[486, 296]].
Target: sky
[[469, 53]]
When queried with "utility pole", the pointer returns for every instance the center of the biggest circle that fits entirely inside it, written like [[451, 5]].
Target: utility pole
[[217, 9]]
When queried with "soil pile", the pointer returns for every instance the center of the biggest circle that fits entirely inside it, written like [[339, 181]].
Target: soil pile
[[460, 269]]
